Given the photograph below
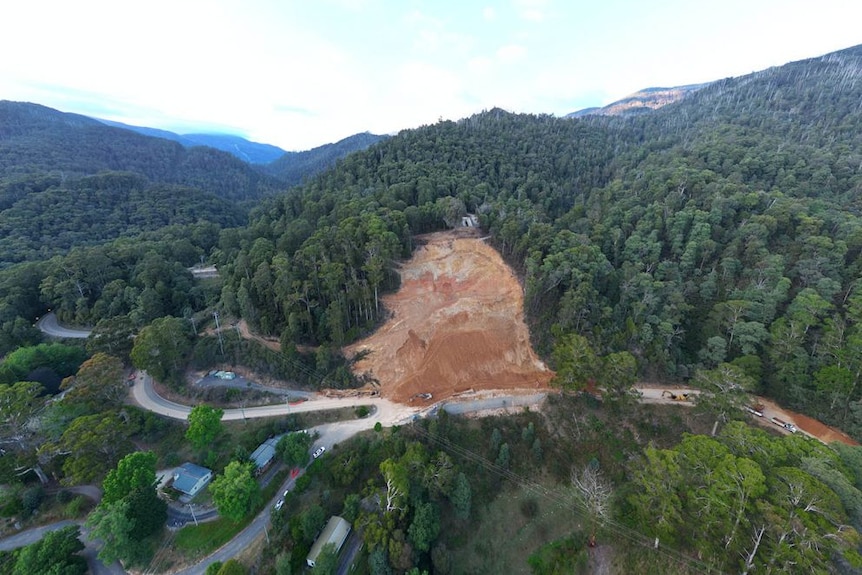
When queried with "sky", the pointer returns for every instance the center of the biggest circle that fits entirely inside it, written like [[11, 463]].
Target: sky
[[302, 73]]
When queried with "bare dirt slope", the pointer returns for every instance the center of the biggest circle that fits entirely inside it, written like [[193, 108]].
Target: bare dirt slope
[[456, 324]]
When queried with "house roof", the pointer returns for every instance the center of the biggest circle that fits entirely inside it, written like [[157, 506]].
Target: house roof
[[264, 453], [187, 475], [335, 532]]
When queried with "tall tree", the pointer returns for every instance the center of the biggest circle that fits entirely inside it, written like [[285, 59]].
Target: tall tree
[[20, 404], [57, 553], [99, 382], [235, 492], [294, 447], [204, 425], [90, 445], [134, 471], [115, 527], [160, 348], [575, 361]]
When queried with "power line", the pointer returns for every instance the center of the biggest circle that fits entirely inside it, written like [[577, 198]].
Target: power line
[[577, 506]]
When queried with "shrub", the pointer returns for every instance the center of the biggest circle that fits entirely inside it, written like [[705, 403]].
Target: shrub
[[64, 496], [32, 499], [75, 507]]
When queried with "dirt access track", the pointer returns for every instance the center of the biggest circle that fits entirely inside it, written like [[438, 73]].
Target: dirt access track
[[456, 324]]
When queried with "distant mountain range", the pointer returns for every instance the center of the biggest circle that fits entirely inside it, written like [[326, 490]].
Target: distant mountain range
[[245, 150], [640, 102], [290, 167]]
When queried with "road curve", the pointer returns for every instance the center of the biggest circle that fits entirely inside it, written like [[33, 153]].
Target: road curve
[[386, 412], [49, 325]]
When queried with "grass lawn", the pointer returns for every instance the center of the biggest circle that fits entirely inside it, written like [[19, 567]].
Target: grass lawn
[[200, 540], [503, 535]]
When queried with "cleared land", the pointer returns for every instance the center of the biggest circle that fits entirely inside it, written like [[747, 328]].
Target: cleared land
[[456, 324]]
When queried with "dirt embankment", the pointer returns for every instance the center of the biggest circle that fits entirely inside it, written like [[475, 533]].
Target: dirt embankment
[[811, 426], [456, 324]]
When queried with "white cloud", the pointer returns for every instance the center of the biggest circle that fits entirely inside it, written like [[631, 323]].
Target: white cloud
[[531, 10], [511, 53], [480, 65], [488, 13]]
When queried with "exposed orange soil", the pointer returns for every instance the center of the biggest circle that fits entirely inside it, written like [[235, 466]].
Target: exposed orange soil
[[811, 426], [821, 431], [456, 324]]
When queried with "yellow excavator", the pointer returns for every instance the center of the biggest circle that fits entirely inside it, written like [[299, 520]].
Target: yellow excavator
[[675, 396]]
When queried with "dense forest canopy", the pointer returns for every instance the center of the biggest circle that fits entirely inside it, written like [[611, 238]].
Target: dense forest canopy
[[723, 228], [715, 241]]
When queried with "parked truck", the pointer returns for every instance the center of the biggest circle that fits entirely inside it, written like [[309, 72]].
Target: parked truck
[[755, 409], [786, 425]]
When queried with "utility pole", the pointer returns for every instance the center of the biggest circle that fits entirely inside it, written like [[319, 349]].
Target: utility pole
[[218, 332]]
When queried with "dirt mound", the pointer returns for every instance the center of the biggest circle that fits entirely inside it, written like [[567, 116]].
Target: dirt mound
[[456, 323]]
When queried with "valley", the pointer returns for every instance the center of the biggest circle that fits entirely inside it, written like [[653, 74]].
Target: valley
[[711, 246]]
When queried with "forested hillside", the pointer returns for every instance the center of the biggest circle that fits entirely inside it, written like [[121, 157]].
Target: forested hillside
[[35, 139], [70, 181], [715, 242], [292, 167], [723, 228], [720, 229], [46, 216]]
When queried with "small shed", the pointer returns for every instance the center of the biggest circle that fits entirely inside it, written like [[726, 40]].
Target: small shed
[[336, 531], [190, 478], [264, 455]]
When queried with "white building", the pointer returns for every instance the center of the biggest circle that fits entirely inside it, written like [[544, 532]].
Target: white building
[[335, 532]]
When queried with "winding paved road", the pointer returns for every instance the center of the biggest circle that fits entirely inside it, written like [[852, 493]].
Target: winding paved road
[[330, 434], [49, 325], [386, 412]]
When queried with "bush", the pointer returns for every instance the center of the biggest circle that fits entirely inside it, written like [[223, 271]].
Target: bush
[[529, 507], [32, 499], [64, 496], [362, 411], [75, 507], [10, 503], [567, 555], [302, 483]]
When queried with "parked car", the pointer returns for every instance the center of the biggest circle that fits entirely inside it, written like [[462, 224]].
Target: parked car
[[286, 491], [278, 504], [319, 451]]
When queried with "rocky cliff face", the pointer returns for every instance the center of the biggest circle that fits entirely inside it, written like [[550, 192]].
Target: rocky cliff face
[[641, 101]]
